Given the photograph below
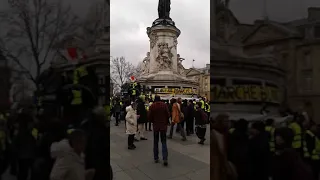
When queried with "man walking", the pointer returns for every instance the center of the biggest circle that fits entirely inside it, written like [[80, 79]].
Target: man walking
[[159, 115]]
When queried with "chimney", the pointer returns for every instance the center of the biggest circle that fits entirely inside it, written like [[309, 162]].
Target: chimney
[[313, 13]]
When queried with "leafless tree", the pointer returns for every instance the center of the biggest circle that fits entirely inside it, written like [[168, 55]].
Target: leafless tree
[[121, 70], [33, 28]]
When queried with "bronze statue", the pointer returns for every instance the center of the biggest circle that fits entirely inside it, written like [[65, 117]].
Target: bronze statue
[[164, 9]]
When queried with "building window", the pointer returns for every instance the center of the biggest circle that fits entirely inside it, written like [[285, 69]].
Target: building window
[[316, 31], [302, 30], [285, 60], [306, 82], [307, 63]]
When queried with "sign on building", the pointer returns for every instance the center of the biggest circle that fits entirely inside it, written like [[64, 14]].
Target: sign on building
[[245, 93]]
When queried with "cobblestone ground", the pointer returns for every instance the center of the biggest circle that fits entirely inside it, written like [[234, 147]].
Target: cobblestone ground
[[187, 160]]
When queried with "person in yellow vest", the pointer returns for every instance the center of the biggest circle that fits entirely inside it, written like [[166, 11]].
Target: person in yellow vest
[[207, 109], [270, 129], [232, 126], [311, 149], [202, 103], [148, 104], [297, 132], [194, 104]]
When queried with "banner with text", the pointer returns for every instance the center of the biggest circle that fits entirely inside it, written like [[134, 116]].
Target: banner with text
[[185, 91], [245, 93]]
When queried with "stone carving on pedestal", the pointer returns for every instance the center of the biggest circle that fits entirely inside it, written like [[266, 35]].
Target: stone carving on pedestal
[[164, 59], [175, 42], [146, 62], [180, 66], [153, 39]]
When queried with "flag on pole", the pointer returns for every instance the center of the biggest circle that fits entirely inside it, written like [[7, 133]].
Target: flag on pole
[[72, 52], [132, 78]]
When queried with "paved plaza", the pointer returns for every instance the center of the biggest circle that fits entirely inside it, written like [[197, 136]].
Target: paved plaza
[[187, 160]]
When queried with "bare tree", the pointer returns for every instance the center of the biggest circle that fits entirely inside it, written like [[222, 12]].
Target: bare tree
[[34, 27], [121, 70]]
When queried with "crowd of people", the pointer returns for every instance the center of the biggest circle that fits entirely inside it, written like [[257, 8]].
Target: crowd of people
[[40, 147], [265, 150], [189, 117]]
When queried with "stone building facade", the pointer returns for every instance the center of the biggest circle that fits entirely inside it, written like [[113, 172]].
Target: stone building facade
[[296, 45], [293, 45], [242, 83], [201, 75]]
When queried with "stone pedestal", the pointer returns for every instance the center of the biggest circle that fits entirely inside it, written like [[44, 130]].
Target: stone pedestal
[[163, 46]]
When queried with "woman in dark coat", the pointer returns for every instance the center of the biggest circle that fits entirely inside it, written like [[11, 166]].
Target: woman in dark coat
[[142, 118]]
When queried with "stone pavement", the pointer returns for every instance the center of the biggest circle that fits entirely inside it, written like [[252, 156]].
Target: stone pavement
[[187, 160]]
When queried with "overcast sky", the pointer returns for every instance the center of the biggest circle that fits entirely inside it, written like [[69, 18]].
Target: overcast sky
[[280, 10], [130, 18]]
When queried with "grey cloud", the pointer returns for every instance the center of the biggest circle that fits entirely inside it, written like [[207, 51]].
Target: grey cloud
[[131, 18], [284, 10]]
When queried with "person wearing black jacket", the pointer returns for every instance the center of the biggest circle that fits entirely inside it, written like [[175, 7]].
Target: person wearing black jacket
[[142, 118], [189, 116], [200, 122], [54, 130], [310, 146], [98, 141], [259, 153]]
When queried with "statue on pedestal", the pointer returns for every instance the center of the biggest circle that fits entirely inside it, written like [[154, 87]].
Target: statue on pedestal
[[164, 58], [164, 9], [180, 66], [146, 62]]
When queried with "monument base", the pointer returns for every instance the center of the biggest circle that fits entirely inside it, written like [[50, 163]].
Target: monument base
[[165, 79]]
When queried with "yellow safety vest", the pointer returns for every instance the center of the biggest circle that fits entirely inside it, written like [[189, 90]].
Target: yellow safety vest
[[35, 133], [134, 92], [77, 97], [107, 109], [315, 154], [231, 130], [271, 130], [77, 94], [297, 135], [202, 104], [208, 107], [69, 131]]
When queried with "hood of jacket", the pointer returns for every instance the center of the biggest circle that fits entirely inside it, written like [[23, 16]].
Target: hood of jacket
[[129, 109], [63, 149]]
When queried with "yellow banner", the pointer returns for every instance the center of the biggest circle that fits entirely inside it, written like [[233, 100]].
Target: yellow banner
[[174, 91], [245, 93]]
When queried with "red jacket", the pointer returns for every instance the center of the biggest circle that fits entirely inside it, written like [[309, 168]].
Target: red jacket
[[159, 115]]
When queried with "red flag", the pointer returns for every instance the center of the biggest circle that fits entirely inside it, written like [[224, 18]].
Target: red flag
[[84, 56], [72, 52]]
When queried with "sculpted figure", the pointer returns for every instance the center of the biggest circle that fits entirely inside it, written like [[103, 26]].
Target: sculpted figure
[[146, 62], [164, 9], [179, 65]]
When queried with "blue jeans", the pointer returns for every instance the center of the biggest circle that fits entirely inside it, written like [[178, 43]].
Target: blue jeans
[[163, 138]]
